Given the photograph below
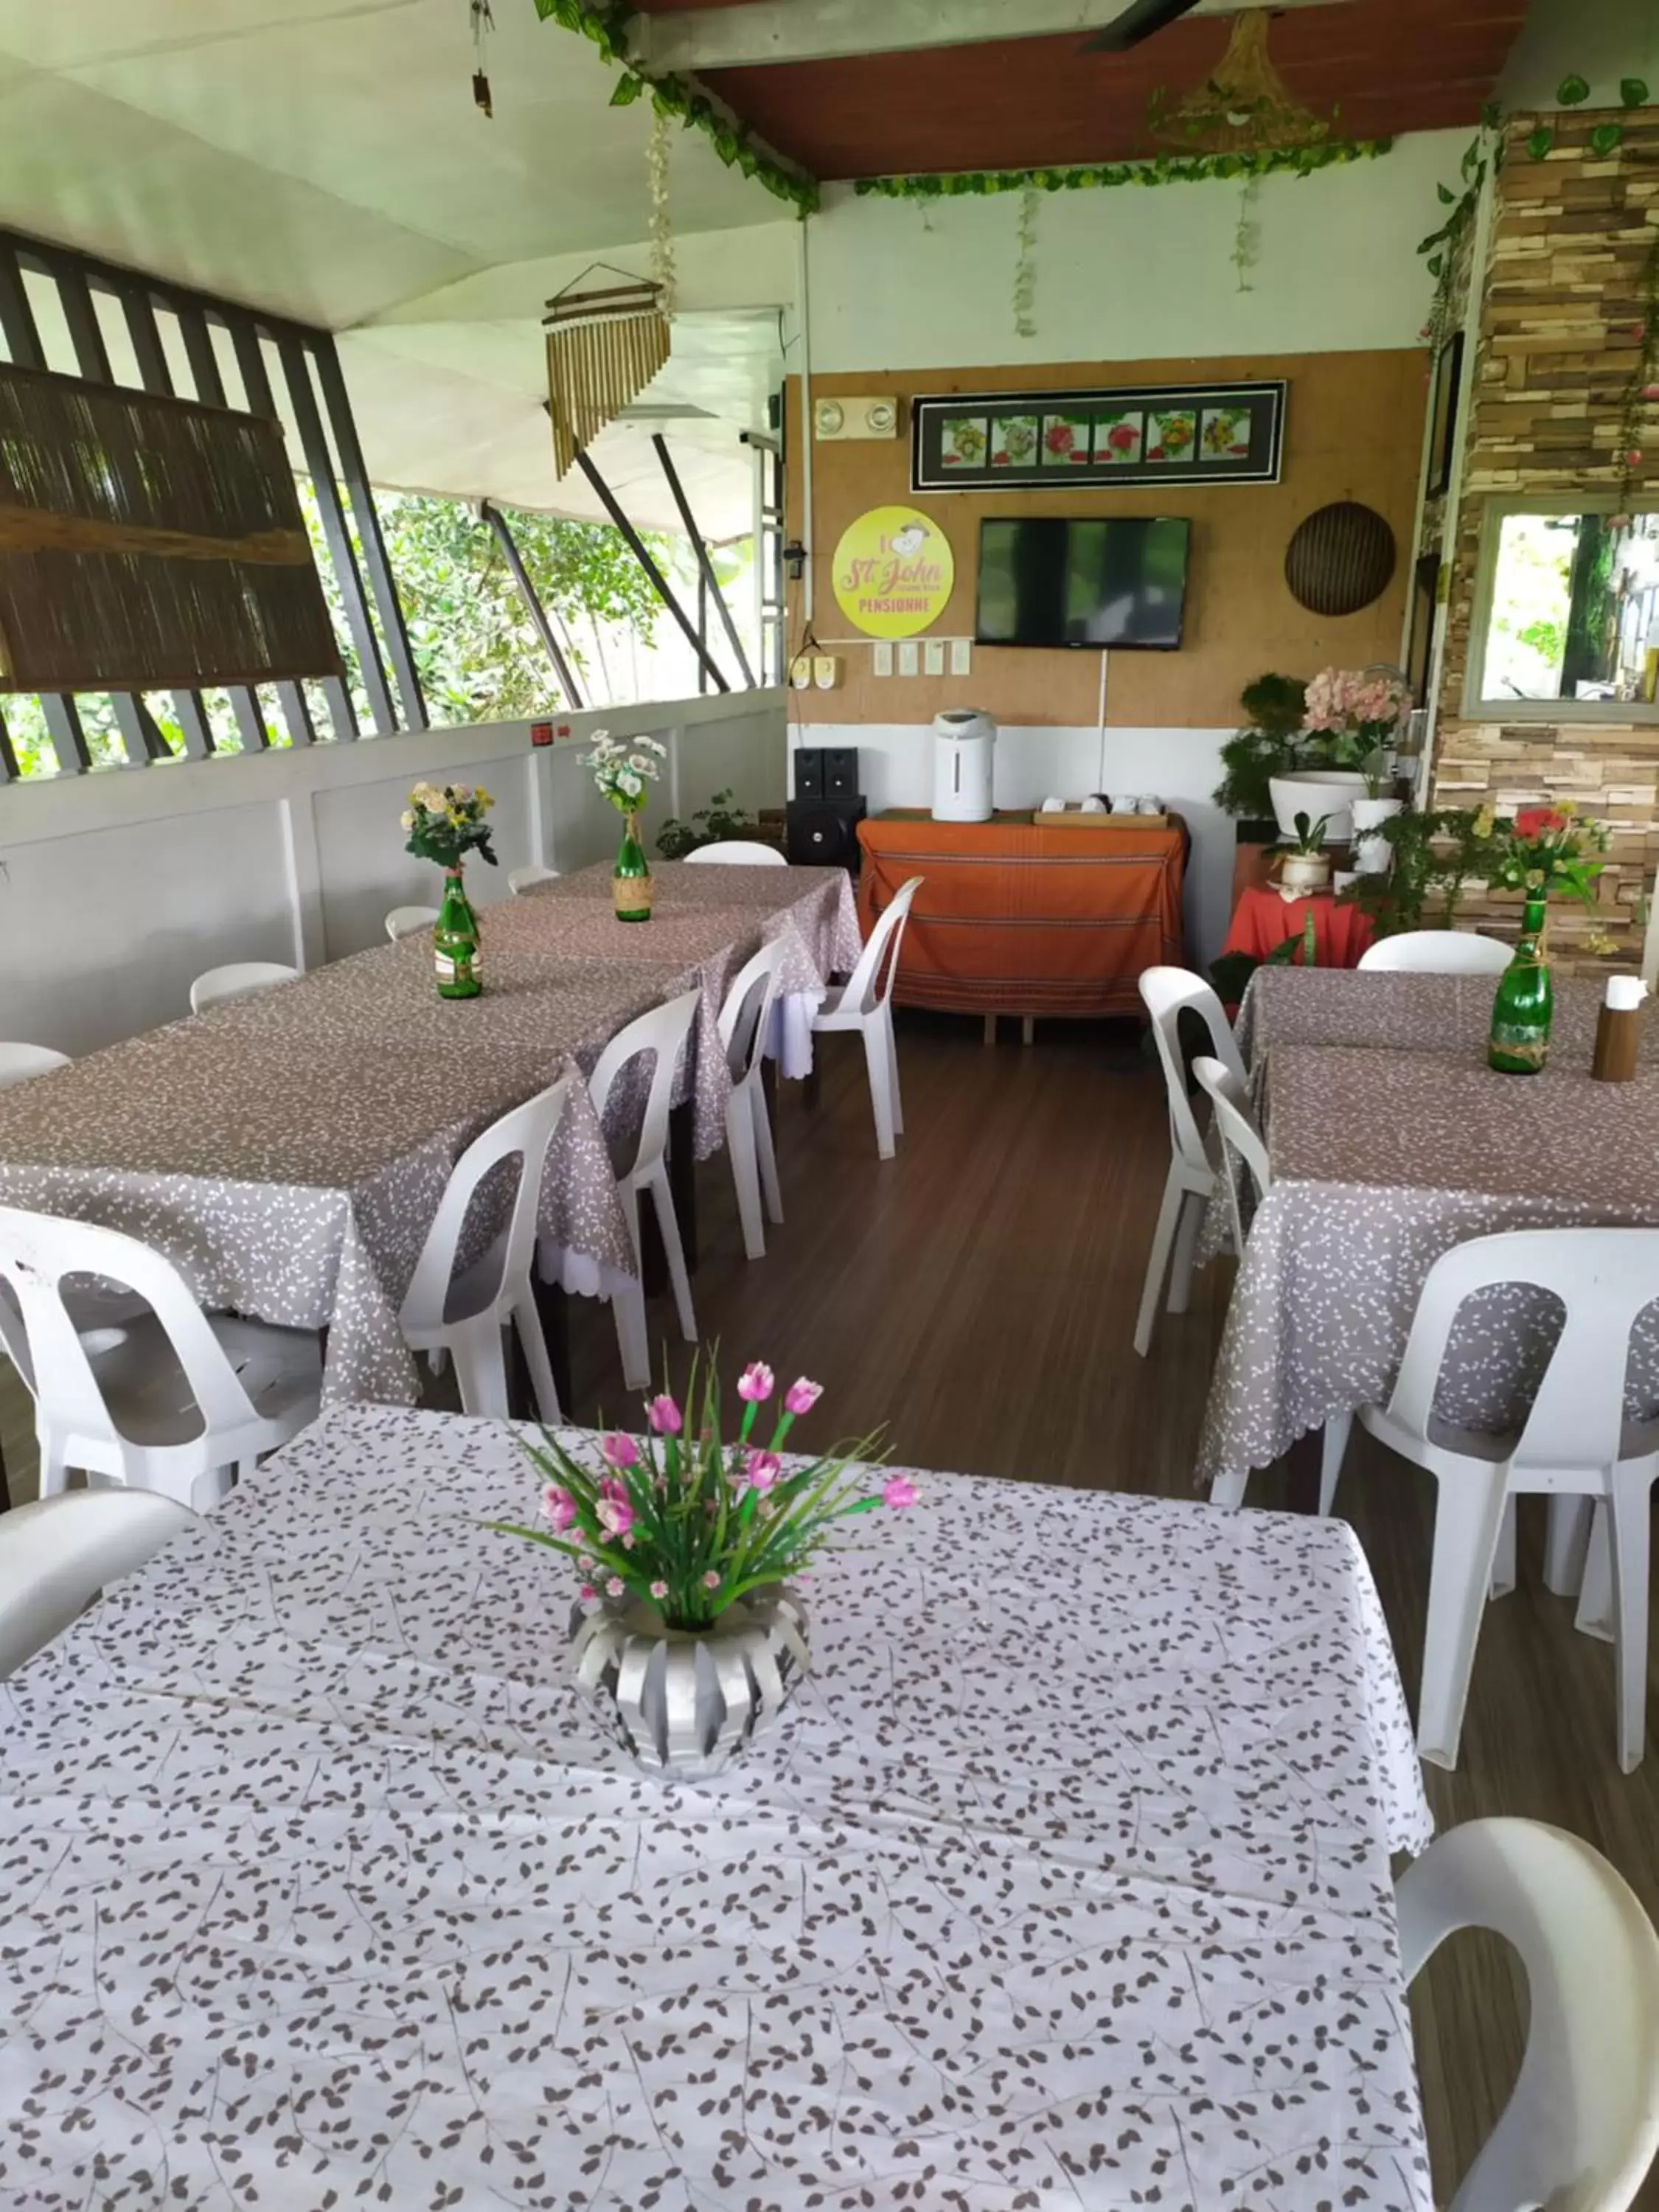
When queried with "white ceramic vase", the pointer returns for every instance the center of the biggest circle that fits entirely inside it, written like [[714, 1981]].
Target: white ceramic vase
[[1370, 851], [1316, 791]]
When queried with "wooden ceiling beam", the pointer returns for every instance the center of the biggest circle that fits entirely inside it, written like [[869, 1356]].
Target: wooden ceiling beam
[[774, 31]]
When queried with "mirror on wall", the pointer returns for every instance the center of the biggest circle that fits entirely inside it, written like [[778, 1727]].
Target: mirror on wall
[[1566, 615]]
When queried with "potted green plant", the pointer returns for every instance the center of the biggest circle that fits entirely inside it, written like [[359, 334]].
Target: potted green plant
[[1267, 742], [1432, 854], [713, 825], [1306, 865]]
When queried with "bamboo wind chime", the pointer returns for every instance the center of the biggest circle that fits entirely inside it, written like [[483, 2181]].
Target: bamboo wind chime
[[603, 349]]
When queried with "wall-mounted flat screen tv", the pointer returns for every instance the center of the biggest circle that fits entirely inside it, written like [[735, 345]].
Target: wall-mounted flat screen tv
[[1114, 580]]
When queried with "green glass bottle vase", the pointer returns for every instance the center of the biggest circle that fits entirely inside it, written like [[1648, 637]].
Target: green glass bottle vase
[[631, 885], [455, 945], [1525, 1005]]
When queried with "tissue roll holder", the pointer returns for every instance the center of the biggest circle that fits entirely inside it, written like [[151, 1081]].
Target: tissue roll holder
[[1618, 1044]]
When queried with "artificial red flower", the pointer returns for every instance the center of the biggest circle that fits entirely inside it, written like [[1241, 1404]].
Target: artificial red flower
[[1539, 822]]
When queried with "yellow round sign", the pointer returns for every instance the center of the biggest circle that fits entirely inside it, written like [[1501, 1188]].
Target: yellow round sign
[[893, 572]]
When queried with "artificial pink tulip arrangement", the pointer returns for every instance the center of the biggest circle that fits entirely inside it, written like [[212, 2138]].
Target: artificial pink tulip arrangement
[[689, 1523]]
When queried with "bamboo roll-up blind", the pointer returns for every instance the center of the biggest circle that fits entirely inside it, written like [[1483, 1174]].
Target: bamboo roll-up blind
[[603, 349], [148, 543]]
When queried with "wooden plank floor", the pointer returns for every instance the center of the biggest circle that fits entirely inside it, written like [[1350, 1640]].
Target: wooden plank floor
[[978, 1296]]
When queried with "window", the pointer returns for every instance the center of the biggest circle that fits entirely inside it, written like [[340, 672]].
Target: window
[[1566, 614]]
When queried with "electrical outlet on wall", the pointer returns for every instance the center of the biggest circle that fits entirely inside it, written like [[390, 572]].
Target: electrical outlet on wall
[[907, 656], [932, 657], [800, 672], [826, 671]]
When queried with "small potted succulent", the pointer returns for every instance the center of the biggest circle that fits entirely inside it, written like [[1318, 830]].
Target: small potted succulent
[[1304, 865]]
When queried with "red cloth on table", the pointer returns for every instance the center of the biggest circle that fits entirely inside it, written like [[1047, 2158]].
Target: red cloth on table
[[1262, 921]]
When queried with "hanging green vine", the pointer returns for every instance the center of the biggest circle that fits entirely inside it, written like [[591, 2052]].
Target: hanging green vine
[[605, 22], [1482, 154], [1607, 138], [1162, 169]]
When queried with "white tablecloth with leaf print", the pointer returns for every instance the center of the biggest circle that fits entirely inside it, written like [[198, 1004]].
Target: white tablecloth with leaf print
[[1064, 1881]]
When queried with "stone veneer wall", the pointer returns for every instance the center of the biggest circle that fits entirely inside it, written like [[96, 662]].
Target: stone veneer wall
[[1561, 310]]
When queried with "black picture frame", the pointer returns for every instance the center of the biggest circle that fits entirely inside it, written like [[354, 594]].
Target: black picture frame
[[1443, 413], [966, 441]]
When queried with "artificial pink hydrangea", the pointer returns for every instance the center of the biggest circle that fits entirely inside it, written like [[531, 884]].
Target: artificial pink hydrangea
[[1346, 699]]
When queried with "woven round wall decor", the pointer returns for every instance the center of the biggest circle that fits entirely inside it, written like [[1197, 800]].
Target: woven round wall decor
[[1340, 559]]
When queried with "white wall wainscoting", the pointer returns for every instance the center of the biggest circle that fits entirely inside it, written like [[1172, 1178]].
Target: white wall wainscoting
[[118, 887], [1035, 762]]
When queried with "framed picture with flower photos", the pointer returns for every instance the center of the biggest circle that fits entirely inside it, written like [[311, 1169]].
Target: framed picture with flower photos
[[1188, 433]]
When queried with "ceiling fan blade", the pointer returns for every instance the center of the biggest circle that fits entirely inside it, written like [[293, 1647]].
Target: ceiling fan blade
[[1138, 22]]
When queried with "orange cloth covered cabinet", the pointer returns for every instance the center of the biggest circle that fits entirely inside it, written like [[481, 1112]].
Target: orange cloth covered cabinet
[[1015, 918]]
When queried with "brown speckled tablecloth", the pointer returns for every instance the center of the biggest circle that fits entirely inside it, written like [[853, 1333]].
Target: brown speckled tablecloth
[[1062, 1882], [1390, 1141], [288, 1150]]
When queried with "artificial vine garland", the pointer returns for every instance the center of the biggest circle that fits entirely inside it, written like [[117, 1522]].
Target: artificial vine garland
[[1025, 268], [1162, 169], [606, 22], [662, 228]]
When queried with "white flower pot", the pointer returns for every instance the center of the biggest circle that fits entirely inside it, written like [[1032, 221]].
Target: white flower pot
[[1370, 851], [1305, 873], [1316, 791], [682, 1701]]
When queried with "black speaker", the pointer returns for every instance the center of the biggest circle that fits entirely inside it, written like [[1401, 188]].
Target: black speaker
[[809, 771], [822, 832], [840, 772]]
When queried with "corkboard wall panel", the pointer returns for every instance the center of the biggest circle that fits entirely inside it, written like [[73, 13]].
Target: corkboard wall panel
[[1354, 424]]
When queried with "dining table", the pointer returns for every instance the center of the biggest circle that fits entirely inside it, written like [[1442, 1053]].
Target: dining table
[[1064, 1877], [1389, 1140], [287, 1150]]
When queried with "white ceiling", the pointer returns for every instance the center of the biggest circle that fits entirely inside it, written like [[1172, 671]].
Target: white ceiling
[[324, 159]]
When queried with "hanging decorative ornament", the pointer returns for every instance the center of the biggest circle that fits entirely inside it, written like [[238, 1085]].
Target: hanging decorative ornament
[[1243, 106], [1025, 266], [603, 347], [483, 24], [1247, 236], [662, 228]]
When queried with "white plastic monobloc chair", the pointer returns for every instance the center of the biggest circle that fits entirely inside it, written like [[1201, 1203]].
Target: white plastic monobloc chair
[[865, 1003], [1437, 952], [58, 1554], [237, 981], [1573, 1443], [663, 1033], [1194, 1176], [1582, 2125], [176, 1395], [20, 1061], [464, 1314], [1241, 1140], [525, 879], [406, 921], [744, 1023], [742, 853]]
